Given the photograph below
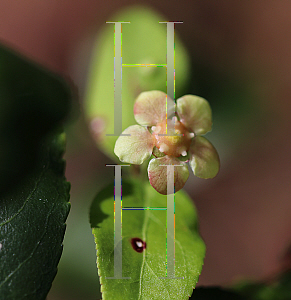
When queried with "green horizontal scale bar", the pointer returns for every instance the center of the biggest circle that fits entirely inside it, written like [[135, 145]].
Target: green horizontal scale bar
[[144, 208], [144, 65]]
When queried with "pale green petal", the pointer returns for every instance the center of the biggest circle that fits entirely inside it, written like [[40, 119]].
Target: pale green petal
[[204, 159], [158, 173], [135, 148], [195, 113], [150, 108]]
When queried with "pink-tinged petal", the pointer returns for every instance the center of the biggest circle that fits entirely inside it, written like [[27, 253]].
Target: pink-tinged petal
[[135, 148], [159, 173], [150, 108], [195, 113], [204, 159]]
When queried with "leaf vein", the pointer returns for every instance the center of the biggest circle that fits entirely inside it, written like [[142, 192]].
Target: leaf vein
[[160, 279], [27, 199], [32, 252]]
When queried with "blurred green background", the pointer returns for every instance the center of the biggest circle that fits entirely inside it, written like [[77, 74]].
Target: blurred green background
[[240, 62]]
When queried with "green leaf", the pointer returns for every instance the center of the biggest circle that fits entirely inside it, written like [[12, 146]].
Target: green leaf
[[33, 102], [143, 42], [150, 226], [32, 227]]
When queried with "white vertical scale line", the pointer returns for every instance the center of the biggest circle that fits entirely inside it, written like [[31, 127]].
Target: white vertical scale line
[[117, 79], [171, 222], [170, 68], [117, 223]]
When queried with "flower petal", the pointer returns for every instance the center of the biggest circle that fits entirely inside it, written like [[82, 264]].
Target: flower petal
[[159, 174], [204, 160], [150, 108], [195, 113], [137, 147]]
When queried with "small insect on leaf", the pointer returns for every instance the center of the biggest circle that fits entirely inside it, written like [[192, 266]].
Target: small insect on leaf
[[138, 245]]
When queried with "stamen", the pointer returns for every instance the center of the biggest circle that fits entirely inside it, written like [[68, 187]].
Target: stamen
[[191, 134], [164, 148], [157, 129], [154, 128], [184, 153], [175, 141]]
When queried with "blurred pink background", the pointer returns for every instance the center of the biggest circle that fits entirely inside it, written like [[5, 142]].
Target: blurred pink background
[[245, 213]]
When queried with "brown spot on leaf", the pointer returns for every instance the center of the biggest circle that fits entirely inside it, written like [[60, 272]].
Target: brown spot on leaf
[[138, 245]]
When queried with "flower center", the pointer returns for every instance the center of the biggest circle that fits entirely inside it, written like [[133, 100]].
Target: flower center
[[171, 138]]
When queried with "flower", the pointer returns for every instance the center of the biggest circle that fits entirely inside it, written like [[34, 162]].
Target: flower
[[172, 141]]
